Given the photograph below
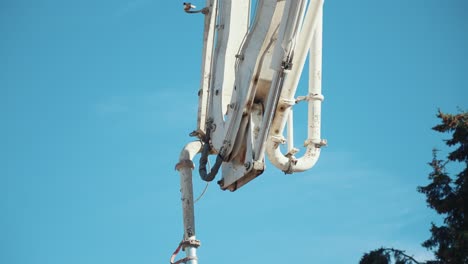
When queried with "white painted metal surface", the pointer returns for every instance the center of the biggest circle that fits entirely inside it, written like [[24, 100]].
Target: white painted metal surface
[[249, 80], [281, 64], [185, 167], [206, 69], [246, 65], [309, 37], [250, 74], [232, 28]]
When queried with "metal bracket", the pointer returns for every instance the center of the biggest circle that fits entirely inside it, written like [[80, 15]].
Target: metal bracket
[[190, 243], [318, 143], [240, 56], [291, 152], [184, 164], [183, 245], [188, 9], [287, 65], [292, 161], [310, 97], [287, 102], [198, 133], [278, 139]]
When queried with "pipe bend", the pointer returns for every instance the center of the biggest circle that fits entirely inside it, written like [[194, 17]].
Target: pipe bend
[[188, 153], [292, 164]]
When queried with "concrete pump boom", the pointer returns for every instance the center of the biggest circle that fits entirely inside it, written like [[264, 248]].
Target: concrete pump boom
[[249, 77]]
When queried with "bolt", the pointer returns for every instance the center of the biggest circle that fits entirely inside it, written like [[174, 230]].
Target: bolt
[[221, 182]]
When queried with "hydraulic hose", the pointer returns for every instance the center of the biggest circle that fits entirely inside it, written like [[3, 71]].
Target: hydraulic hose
[[204, 159]]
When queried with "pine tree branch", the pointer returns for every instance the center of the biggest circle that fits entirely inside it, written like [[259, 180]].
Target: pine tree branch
[[402, 253]]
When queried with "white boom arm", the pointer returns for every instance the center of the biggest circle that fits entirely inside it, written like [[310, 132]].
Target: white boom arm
[[250, 73]]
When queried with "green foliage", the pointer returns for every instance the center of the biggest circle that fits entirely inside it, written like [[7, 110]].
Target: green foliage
[[378, 256], [448, 195], [386, 256]]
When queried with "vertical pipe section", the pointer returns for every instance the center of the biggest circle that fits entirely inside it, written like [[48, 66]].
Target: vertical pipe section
[[315, 97], [309, 38], [290, 138], [191, 253], [185, 167], [208, 43]]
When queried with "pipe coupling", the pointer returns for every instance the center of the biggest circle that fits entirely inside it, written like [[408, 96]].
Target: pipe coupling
[[184, 164]]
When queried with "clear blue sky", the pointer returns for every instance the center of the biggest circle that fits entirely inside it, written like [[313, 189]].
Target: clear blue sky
[[97, 99]]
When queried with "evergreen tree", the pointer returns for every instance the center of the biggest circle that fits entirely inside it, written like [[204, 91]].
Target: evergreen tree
[[448, 195], [378, 256], [386, 255]]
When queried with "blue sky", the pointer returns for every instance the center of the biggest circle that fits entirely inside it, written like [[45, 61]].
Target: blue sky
[[98, 98]]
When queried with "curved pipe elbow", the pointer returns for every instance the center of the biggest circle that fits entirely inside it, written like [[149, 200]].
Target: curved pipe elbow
[[189, 152], [290, 164]]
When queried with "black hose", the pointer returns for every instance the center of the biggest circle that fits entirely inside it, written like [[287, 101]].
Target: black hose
[[204, 159], [214, 170]]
